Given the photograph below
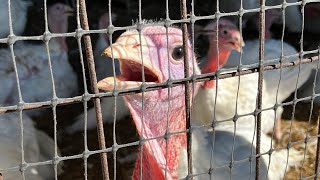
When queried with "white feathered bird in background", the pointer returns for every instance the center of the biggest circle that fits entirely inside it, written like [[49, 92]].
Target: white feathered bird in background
[[234, 102], [37, 147], [277, 88], [211, 102], [229, 144], [19, 9], [104, 68], [33, 67]]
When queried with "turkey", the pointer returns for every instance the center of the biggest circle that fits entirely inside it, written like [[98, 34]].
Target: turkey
[[104, 68], [33, 68], [19, 9], [37, 146], [279, 84], [238, 94], [156, 106], [232, 103], [235, 143], [160, 157]]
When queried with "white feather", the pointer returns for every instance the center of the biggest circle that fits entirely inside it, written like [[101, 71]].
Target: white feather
[[291, 77], [217, 149], [19, 10], [37, 148], [227, 103], [34, 73]]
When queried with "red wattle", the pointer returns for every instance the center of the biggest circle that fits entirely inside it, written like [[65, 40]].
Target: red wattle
[[208, 84], [211, 65], [150, 167]]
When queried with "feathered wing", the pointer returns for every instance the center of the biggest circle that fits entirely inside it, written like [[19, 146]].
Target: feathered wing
[[291, 77], [230, 100], [46, 150], [107, 106], [19, 9], [10, 148], [34, 74], [215, 150]]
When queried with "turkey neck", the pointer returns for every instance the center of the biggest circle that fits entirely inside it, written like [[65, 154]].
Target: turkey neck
[[212, 62], [157, 116], [213, 58]]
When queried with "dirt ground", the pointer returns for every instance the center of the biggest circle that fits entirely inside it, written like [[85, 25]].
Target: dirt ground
[[301, 127]]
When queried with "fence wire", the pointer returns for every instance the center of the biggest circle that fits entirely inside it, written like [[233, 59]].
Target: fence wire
[[83, 32]]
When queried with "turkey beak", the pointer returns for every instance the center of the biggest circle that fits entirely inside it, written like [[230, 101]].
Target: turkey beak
[[127, 49], [69, 11], [236, 40]]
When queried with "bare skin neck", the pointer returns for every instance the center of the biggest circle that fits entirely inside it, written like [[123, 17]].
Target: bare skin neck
[[212, 63]]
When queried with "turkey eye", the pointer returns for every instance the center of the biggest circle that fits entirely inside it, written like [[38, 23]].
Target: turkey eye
[[225, 32], [177, 53]]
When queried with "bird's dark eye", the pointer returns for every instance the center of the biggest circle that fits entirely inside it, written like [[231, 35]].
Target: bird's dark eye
[[177, 53], [225, 32]]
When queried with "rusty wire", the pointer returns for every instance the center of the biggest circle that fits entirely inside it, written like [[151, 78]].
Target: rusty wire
[[316, 169], [262, 25], [93, 79], [183, 7]]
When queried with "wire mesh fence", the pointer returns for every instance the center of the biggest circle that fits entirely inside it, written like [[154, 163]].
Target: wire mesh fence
[[233, 139]]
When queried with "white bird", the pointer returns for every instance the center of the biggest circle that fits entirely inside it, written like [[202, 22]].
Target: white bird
[[216, 149], [232, 104], [37, 147], [19, 9], [279, 84], [234, 98], [33, 67], [104, 68], [237, 94]]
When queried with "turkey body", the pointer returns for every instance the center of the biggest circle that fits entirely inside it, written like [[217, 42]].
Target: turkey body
[[232, 98], [37, 147], [280, 84], [19, 9], [34, 73], [228, 143]]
